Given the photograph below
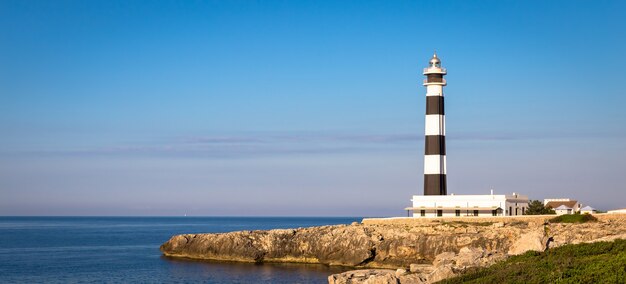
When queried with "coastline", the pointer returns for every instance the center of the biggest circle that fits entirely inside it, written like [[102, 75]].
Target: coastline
[[389, 243]]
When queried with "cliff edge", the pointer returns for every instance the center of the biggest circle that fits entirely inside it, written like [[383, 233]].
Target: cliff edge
[[395, 243]]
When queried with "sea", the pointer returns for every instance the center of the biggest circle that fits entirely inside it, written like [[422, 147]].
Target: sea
[[126, 249]]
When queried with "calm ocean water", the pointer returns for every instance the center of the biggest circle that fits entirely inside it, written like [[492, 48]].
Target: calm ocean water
[[126, 249]]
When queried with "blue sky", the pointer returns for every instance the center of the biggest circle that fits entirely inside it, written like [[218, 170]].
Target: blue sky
[[303, 107]]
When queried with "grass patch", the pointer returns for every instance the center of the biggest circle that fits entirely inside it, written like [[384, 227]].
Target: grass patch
[[484, 224], [574, 218], [601, 262]]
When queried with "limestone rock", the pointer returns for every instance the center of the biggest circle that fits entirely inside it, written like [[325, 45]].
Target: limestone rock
[[400, 272], [532, 240], [395, 245], [436, 257], [376, 276], [421, 268], [445, 265], [469, 257], [365, 276], [334, 245], [412, 279], [498, 225], [442, 272], [444, 259], [382, 279]]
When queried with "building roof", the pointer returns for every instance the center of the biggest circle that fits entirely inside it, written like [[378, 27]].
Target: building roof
[[556, 204], [587, 208], [452, 208], [563, 207]]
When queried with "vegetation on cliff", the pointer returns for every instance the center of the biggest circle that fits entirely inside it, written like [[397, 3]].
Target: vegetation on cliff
[[574, 218], [601, 262]]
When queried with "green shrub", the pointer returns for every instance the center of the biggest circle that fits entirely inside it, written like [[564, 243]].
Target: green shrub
[[601, 262], [574, 218]]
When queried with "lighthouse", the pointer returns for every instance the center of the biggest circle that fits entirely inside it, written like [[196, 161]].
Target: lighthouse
[[435, 148], [435, 202]]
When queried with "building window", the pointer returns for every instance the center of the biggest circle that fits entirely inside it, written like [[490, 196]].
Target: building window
[[475, 212], [422, 213], [439, 213], [494, 212], [457, 212]]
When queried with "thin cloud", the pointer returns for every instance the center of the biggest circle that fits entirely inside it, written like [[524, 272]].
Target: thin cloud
[[249, 145], [222, 140], [305, 137], [292, 143]]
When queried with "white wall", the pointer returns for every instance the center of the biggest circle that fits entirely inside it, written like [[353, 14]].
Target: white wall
[[511, 205]]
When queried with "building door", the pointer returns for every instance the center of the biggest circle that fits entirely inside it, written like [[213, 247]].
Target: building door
[[439, 213]]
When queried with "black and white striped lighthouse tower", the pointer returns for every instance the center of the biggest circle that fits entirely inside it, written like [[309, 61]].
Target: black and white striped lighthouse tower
[[435, 150]]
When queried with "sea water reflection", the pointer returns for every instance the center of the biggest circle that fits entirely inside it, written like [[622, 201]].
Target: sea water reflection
[[126, 249]]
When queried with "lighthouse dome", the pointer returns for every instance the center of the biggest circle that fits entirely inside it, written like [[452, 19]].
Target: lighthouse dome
[[435, 62]]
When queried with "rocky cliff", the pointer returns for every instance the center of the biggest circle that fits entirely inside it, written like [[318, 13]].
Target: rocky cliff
[[392, 244]]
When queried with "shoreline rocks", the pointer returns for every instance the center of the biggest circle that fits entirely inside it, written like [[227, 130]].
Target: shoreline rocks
[[425, 251], [445, 265], [374, 276]]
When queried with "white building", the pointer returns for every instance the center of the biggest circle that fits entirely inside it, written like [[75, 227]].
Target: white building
[[617, 211], [555, 203], [563, 210], [588, 210], [468, 205]]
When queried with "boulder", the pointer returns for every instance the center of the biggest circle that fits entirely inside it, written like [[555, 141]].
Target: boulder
[[376, 276], [533, 240], [365, 276], [421, 268], [441, 273], [412, 279], [444, 258], [400, 272], [469, 256]]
